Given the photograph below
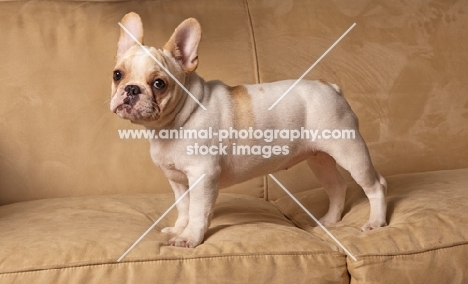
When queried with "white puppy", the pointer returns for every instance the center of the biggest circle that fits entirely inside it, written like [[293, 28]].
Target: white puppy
[[145, 94]]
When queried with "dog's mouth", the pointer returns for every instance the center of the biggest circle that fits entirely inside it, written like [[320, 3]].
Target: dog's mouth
[[126, 105], [124, 108], [144, 111]]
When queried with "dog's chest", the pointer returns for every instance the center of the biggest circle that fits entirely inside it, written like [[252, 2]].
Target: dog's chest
[[164, 157], [174, 174]]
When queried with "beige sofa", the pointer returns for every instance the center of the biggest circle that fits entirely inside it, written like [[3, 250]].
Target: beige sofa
[[74, 196]]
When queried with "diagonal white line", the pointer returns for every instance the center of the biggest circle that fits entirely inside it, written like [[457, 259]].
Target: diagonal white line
[[315, 219], [162, 66], [160, 218], [310, 68]]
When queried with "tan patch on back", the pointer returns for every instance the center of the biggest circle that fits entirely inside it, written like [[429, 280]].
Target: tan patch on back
[[242, 107]]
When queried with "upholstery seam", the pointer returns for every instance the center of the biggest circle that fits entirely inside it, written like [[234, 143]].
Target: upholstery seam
[[113, 263], [254, 43], [257, 78], [410, 253]]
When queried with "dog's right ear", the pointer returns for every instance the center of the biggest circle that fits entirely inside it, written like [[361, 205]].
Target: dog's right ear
[[132, 22]]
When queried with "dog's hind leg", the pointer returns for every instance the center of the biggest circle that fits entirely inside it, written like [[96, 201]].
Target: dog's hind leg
[[324, 168], [353, 156]]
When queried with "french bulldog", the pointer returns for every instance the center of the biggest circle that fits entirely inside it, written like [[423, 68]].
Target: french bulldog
[[145, 94]]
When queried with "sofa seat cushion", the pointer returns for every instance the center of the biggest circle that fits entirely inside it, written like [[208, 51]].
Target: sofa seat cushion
[[78, 240], [426, 240]]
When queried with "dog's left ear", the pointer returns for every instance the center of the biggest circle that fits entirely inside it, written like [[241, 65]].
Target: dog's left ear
[[183, 44]]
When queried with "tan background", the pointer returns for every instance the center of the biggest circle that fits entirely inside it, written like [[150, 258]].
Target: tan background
[[400, 69]]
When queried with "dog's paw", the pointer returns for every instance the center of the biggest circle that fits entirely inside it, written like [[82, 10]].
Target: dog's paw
[[373, 225], [174, 231], [189, 238], [329, 220], [184, 242]]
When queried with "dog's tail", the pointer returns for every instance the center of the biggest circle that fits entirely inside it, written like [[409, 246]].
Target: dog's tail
[[333, 86], [337, 88]]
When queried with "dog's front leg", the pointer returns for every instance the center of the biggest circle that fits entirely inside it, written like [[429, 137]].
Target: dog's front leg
[[202, 199], [182, 209]]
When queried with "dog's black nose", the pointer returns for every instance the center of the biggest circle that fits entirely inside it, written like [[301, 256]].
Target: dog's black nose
[[132, 90]]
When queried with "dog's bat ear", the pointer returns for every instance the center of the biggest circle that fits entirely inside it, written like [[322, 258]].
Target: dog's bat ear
[[132, 22], [183, 44]]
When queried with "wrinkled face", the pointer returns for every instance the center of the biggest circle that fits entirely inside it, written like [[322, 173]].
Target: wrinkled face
[[141, 90]]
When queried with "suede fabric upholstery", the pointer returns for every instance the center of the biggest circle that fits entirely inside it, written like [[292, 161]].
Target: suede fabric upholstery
[[74, 196], [78, 240], [427, 237]]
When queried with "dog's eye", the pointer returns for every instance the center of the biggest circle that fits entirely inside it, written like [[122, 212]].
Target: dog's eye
[[159, 84], [117, 75]]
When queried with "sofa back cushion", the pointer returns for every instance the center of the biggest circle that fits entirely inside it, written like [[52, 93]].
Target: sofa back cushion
[[402, 69], [59, 137]]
